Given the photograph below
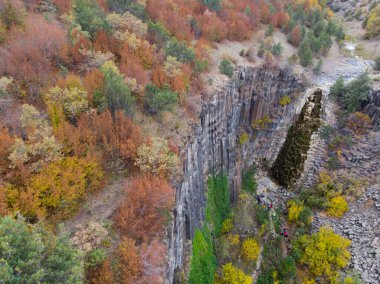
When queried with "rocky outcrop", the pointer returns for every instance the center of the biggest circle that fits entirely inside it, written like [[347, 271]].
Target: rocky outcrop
[[372, 108], [290, 161], [214, 145]]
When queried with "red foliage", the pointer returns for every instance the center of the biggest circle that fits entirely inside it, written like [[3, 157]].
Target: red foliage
[[130, 262], [80, 42], [173, 14], [141, 214], [103, 4], [152, 257], [295, 36], [238, 26], [93, 81], [214, 29], [134, 64], [105, 42], [159, 77], [6, 142], [30, 53], [101, 274], [63, 6], [117, 136]]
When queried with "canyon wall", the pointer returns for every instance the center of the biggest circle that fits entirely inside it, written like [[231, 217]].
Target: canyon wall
[[214, 145], [372, 108]]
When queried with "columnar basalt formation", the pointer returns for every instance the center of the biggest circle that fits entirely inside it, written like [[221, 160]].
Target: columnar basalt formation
[[290, 161], [214, 146], [372, 108]]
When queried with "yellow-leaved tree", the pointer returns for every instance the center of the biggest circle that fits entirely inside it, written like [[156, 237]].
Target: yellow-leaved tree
[[233, 275], [325, 253], [58, 188]]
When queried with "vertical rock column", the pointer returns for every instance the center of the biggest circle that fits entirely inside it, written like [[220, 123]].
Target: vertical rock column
[[290, 161]]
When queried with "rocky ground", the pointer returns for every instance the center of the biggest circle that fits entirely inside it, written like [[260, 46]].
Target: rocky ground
[[362, 226]]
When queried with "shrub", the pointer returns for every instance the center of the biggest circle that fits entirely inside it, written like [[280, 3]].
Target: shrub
[[299, 214], [262, 215], [213, 5], [29, 252], [305, 54], [203, 260], [158, 34], [231, 274], [218, 202], [277, 49], [359, 122], [324, 253], [249, 183], [234, 239], [226, 68], [373, 22], [243, 138], [117, 95], [356, 92], [11, 14], [250, 250], [157, 158], [89, 16], [96, 257], [269, 31], [157, 100], [179, 50], [72, 101], [262, 123], [227, 226], [287, 267], [353, 93], [318, 67], [285, 100], [377, 64], [337, 206]]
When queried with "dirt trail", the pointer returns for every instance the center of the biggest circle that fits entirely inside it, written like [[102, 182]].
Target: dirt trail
[[99, 207]]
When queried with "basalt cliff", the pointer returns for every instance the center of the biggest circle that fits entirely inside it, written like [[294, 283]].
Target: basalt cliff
[[214, 147]]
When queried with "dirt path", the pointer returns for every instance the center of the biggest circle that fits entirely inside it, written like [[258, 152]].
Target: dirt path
[[99, 207]]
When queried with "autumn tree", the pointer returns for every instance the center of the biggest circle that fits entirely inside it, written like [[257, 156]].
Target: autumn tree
[[32, 50], [295, 36], [158, 159], [6, 142], [58, 188], [12, 13], [232, 274], [152, 257], [142, 213], [130, 263], [71, 101], [325, 253], [40, 147], [93, 81]]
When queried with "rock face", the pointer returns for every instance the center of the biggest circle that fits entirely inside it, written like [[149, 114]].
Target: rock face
[[372, 108], [214, 147], [290, 161]]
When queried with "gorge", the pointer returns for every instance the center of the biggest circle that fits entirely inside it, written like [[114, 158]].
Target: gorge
[[215, 146]]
